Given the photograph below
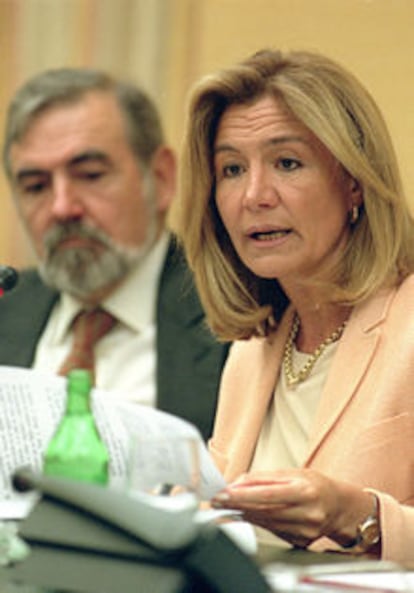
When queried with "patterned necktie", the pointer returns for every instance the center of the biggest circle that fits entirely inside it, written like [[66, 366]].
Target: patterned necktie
[[88, 327]]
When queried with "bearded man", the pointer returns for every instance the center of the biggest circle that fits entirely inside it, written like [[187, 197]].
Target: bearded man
[[92, 180]]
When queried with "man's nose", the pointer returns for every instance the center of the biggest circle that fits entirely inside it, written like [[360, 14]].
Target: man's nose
[[260, 190], [66, 202]]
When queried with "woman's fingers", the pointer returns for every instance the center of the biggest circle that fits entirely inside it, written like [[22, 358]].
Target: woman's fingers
[[263, 492], [294, 504]]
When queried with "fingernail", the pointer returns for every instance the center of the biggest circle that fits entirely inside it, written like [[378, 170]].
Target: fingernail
[[222, 497]]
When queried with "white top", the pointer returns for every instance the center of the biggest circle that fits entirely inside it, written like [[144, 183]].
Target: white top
[[284, 437], [125, 358]]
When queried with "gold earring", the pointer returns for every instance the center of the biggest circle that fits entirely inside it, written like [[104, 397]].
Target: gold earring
[[354, 214]]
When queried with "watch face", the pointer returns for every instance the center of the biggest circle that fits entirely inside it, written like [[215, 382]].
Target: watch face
[[370, 532]]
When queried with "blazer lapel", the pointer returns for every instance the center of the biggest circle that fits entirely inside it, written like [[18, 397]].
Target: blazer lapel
[[189, 357], [24, 312], [355, 352], [258, 376]]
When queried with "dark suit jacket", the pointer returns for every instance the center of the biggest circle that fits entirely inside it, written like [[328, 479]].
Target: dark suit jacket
[[189, 360]]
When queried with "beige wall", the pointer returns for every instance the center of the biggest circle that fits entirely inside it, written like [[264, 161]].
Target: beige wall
[[374, 38], [168, 44]]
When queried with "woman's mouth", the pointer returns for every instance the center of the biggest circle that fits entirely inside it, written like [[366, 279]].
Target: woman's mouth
[[269, 235]]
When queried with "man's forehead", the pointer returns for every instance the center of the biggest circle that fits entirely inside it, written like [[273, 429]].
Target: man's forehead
[[91, 107], [66, 132]]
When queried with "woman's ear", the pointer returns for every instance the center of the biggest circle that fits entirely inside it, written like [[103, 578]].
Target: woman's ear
[[356, 194], [355, 200]]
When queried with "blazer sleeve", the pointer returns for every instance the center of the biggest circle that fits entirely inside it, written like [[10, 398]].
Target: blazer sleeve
[[397, 528]]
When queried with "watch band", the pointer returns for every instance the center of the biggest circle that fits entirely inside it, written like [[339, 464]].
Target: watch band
[[368, 532]]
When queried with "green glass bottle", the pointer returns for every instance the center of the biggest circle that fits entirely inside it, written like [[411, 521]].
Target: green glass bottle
[[76, 450]]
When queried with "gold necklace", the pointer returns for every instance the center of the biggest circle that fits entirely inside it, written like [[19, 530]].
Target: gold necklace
[[293, 378]]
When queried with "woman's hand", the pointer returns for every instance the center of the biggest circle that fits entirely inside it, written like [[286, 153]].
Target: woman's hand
[[298, 505]]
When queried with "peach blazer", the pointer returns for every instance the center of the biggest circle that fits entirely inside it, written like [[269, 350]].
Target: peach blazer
[[363, 430]]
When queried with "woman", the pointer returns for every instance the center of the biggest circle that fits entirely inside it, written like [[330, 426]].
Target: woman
[[294, 222]]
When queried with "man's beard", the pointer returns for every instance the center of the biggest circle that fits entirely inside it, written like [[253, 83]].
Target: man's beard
[[85, 271]]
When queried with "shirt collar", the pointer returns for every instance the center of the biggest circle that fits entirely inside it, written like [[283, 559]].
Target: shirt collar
[[134, 302]]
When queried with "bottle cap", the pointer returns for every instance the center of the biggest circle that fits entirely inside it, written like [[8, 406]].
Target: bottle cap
[[80, 379]]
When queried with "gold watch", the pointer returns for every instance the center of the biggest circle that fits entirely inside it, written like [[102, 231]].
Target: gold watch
[[368, 532]]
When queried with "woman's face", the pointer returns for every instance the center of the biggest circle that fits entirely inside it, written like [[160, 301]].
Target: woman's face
[[282, 196]]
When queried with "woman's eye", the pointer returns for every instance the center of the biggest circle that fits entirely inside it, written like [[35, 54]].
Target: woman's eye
[[289, 164], [231, 170]]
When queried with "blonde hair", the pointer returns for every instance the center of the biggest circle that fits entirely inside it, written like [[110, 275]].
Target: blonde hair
[[339, 111]]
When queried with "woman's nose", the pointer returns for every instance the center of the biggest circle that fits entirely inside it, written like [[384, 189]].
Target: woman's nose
[[260, 190]]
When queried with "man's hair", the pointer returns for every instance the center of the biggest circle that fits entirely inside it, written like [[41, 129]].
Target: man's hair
[[339, 111], [65, 86]]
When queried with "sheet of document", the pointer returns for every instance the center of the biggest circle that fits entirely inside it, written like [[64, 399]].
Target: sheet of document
[[31, 406], [359, 577]]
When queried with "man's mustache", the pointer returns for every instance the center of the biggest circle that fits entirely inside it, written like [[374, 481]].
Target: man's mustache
[[63, 231]]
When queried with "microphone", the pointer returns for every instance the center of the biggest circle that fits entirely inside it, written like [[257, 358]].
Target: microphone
[[8, 279]]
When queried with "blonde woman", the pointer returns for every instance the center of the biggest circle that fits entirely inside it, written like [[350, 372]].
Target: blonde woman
[[293, 219]]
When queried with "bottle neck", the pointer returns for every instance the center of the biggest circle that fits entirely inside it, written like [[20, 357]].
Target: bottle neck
[[78, 402]]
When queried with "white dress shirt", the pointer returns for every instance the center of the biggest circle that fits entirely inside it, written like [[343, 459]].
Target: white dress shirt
[[125, 359]]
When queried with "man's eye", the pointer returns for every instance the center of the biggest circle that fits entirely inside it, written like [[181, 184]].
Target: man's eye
[[288, 164], [91, 175], [33, 188]]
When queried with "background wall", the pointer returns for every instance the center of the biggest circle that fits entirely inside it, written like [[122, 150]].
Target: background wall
[[166, 45]]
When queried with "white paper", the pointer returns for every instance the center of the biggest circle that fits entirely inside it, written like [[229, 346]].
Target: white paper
[[31, 406], [360, 576]]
